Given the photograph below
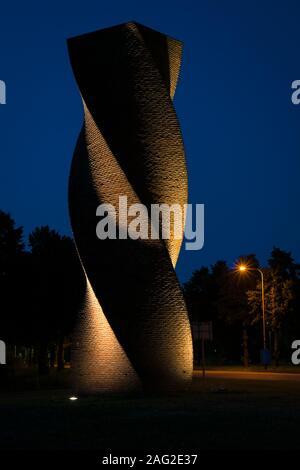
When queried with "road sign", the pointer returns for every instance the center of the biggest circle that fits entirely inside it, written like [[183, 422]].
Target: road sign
[[206, 330], [202, 330]]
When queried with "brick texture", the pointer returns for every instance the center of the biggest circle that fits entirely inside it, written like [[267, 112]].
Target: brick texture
[[133, 331]]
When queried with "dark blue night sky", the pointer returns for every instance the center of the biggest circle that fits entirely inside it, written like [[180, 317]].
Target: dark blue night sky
[[241, 130]]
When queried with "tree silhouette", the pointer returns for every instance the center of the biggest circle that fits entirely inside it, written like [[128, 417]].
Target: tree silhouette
[[12, 258], [57, 288], [40, 291]]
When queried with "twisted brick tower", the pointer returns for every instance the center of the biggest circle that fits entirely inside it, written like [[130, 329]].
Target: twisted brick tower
[[133, 331]]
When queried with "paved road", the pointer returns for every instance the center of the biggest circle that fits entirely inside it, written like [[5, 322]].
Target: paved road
[[226, 374]]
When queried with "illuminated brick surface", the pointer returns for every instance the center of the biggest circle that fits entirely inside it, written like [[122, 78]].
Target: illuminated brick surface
[[133, 330]]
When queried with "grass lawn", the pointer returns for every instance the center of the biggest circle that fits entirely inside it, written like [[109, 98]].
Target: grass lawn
[[222, 414]]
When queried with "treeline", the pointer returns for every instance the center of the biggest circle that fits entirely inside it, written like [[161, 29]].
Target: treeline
[[42, 285], [40, 288], [232, 300]]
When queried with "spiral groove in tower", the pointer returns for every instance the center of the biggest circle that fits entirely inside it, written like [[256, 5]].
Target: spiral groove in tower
[[133, 330]]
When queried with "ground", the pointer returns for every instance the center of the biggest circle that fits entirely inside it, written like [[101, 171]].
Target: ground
[[230, 410]]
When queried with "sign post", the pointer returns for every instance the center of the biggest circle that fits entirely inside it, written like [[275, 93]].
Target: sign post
[[202, 331], [205, 335], [2, 352], [203, 357]]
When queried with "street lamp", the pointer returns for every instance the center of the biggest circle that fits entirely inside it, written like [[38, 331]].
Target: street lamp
[[244, 268]]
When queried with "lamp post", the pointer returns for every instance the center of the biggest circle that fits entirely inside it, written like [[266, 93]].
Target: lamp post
[[244, 268]]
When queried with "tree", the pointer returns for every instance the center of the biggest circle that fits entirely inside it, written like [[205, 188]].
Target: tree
[[279, 288], [283, 264], [12, 258], [219, 294], [57, 288], [285, 300], [233, 305], [198, 295]]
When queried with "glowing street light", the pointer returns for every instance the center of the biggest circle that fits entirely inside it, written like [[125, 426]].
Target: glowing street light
[[243, 268]]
